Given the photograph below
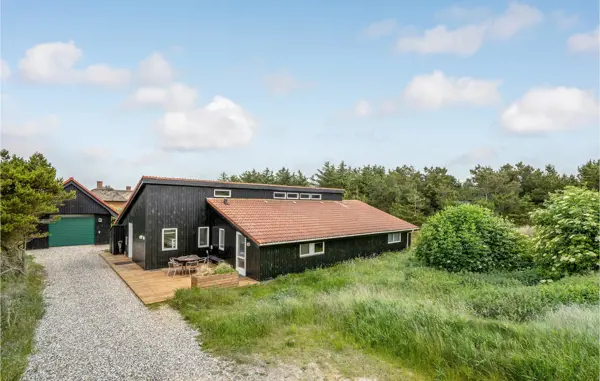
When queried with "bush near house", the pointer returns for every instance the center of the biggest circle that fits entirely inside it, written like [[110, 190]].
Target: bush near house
[[470, 238], [567, 232], [391, 317]]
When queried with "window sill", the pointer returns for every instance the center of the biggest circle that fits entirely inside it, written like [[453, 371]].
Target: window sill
[[310, 255], [169, 249]]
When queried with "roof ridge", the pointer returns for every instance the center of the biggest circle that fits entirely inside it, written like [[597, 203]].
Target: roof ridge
[[89, 192], [233, 182]]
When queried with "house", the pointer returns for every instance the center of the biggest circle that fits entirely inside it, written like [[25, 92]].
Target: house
[[262, 230], [84, 220], [115, 198]]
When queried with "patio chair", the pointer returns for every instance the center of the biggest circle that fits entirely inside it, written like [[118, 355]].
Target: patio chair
[[174, 265], [192, 266]]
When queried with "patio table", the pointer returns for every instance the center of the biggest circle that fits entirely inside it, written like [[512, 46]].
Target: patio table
[[184, 260]]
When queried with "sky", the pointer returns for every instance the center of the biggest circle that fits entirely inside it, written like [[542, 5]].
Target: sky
[[113, 90]]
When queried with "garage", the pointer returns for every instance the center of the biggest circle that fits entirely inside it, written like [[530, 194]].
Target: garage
[[71, 230]]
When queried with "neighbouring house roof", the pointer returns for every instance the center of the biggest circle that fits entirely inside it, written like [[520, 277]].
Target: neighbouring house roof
[[215, 183], [83, 189], [268, 222], [112, 195]]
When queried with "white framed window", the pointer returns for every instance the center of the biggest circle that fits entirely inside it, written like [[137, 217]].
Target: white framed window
[[305, 196], [169, 239], [315, 196], [292, 196], [203, 236], [222, 193], [222, 239], [312, 248], [278, 194], [394, 237]]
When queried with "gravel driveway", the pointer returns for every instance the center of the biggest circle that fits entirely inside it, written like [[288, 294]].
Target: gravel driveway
[[95, 328]]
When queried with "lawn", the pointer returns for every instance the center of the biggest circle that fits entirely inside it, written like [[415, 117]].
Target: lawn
[[22, 306], [391, 318]]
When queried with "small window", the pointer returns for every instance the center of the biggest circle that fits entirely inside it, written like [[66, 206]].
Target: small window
[[203, 236], [315, 196], [278, 194], [222, 239], [222, 193], [292, 196], [169, 239], [394, 237], [308, 249], [305, 196]]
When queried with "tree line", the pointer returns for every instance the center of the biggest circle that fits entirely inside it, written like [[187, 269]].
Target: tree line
[[512, 191]]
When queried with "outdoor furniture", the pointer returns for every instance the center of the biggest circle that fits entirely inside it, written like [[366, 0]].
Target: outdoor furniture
[[174, 265], [215, 259], [184, 260], [194, 265]]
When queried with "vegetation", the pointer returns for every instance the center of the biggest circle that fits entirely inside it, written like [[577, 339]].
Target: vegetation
[[29, 191], [22, 305], [224, 268], [512, 191], [567, 232], [470, 238], [392, 318]]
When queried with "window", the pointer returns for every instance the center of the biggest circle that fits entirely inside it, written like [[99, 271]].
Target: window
[[315, 248], [222, 239], [315, 196], [169, 239], [203, 236], [305, 196], [292, 196], [222, 193], [394, 237], [278, 194]]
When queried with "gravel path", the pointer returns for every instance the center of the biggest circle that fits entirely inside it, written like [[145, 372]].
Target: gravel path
[[95, 328]]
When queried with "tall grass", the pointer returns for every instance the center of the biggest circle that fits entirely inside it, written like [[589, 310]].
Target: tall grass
[[22, 305], [442, 325]]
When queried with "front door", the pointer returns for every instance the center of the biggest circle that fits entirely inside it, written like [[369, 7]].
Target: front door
[[240, 253], [130, 240]]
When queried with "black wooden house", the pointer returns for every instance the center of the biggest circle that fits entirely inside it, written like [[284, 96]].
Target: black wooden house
[[84, 220], [167, 217]]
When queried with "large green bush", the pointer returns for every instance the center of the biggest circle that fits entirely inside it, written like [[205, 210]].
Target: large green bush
[[566, 232], [470, 238]]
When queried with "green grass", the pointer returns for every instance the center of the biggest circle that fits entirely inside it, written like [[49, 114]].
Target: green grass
[[22, 306], [392, 318]]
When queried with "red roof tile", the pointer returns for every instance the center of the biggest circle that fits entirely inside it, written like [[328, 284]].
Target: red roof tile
[[277, 221]]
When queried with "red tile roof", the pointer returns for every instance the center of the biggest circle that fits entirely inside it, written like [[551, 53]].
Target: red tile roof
[[278, 221], [71, 179]]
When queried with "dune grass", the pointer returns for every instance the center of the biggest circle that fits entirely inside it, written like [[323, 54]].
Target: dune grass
[[22, 305], [390, 317]]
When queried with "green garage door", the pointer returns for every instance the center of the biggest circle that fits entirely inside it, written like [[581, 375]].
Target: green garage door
[[71, 231]]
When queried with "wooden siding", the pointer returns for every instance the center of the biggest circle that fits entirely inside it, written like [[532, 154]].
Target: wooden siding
[[102, 229], [39, 243], [283, 259], [82, 204], [117, 233], [137, 216]]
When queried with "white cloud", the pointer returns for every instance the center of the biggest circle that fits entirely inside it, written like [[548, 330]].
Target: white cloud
[[284, 83], [551, 109], [564, 20], [432, 91], [477, 155], [32, 128], [362, 109], [461, 14], [175, 97], [220, 124], [516, 18], [381, 28], [584, 42], [53, 62], [155, 70], [468, 39], [4, 70]]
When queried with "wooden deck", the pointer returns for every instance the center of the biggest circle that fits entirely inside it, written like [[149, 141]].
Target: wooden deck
[[152, 286]]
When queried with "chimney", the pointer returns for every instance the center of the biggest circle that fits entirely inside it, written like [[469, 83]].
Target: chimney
[[128, 188], [98, 184]]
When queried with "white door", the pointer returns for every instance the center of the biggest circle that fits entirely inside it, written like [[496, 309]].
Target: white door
[[240, 253], [130, 241]]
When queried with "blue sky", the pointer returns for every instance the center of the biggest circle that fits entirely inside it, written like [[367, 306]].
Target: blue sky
[[116, 90]]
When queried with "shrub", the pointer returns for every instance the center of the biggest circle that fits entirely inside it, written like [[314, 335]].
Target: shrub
[[470, 238], [566, 232], [224, 268]]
